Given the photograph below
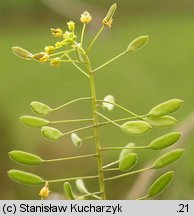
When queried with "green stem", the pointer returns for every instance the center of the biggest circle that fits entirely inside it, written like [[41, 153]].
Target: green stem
[[70, 102], [78, 129], [128, 174], [82, 34], [71, 120], [121, 148], [92, 194], [62, 52], [71, 179], [71, 158], [111, 169], [143, 198], [95, 38], [114, 123], [110, 164], [108, 62]]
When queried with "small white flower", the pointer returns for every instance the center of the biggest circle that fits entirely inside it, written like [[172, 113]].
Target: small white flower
[[110, 99], [76, 140]]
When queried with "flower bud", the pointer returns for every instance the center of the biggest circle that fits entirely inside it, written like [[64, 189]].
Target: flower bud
[[108, 19], [34, 121], [136, 127], [41, 57], [128, 161], [85, 17], [137, 43], [22, 53], [57, 32], [25, 177], [51, 133], [44, 192], [71, 25], [55, 62], [108, 105], [49, 49], [40, 108], [58, 44], [68, 191], [76, 140]]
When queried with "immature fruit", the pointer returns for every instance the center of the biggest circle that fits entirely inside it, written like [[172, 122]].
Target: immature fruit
[[51, 133], [40, 108], [160, 184], [76, 140], [22, 53], [25, 177], [137, 43], [161, 121], [34, 121], [68, 191], [81, 186], [25, 158], [128, 161]]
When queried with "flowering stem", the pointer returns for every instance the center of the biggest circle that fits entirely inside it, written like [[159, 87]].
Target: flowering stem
[[82, 34]]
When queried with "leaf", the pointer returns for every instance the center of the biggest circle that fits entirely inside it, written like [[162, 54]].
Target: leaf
[[161, 121], [108, 105], [40, 108], [168, 158], [77, 141], [51, 133], [136, 127], [124, 152], [128, 161], [160, 184], [22, 53], [25, 177], [34, 121], [68, 191], [81, 186], [25, 158], [164, 141], [137, 43], [166, 108]]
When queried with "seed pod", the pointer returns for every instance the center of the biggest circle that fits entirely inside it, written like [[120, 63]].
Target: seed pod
[[136, 127], [81, 186], [34, 121], [25, 158], [108, 105], [25, 177], [22, 53], [81, 54], [128, 161], [138, 43], [51, 133], [166, 108], [68, 191], [77, 141], [161, 121], [164, 141], [108, 19], [124, 152], [160, 184], [40, 108], [168, 158]]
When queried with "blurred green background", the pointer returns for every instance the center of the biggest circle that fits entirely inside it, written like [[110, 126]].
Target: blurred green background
[[161, 71]]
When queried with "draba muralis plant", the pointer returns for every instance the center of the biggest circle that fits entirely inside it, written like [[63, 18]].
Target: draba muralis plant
[[70, 49]]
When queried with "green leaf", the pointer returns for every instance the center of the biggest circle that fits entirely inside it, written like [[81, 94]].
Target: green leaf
[[124, 152], [81, 186], [76, 140], [22, 53], [51, 133], [128, 161], [164, 141], [40, 108], [166, 108], [137, 43], [136, 127], [161, 121], [25, 158], [168, 158], [34, 121], [25, 177], [68, 191], [160, 184]]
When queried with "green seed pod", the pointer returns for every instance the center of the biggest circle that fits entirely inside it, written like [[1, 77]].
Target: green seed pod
[[166, 108], [160, 184], [77, 141], [124, 152], [137, 43], [22, 53], [25, 158], [34, 121], [108, 18], [136, 127], [81, 186], [25, 177], [40, 108], [51, 133], [68, 191], [128, 161], [81, 54], [168, 158], [164, 141], [161, 121]]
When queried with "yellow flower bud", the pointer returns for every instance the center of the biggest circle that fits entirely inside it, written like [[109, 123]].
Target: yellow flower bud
[[22, 53], [57, 32], [55, 62], [85, 17], [71, 25], [41, 57], [58, 45], [44, 192], [49, 49]]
